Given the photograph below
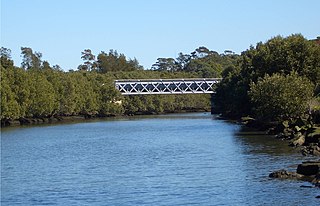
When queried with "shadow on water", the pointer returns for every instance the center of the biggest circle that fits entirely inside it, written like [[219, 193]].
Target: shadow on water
[[259, 142]]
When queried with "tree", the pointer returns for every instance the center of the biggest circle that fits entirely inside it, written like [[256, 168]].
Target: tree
[[89, 60], [113, 61], [278, 55], [109, 99], [46, 65], [5, 57], [280, 97], [42, 96], [183, 60], [202, 62], [165, 64], [5, 53], [282, 55], [9, 106], [133, 64], [201, 52], [68, 101], [30, 60], [21, 84]]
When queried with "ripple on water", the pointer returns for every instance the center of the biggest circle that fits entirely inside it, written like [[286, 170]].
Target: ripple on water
[[187, 159]]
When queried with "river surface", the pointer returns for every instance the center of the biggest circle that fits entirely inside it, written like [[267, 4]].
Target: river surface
[[177, 159]]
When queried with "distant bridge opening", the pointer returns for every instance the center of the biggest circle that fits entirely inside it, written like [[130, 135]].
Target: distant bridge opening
[[166, 86]]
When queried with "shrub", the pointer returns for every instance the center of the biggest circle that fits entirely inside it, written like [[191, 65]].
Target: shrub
[[280, 97]]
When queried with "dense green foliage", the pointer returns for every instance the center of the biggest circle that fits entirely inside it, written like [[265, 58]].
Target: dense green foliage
[[273, 80], [45, 93], [277, 56], [107, 62], [37, 90], [202, 62], [281, 97]]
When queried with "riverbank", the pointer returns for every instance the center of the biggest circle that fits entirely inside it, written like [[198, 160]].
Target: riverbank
[[306, 171], [82, 118], [301, 134]]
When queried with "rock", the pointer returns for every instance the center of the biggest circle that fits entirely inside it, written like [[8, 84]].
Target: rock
[[316, 180], [52, 119], [316, 152], [300, 122], [297, 128], [311, 149], [13, 122], [298, 140], [247, 119], [304, 151], [309, 168], [313, 135], [24, 121], [287, 132], [307, 186], [283, 174]]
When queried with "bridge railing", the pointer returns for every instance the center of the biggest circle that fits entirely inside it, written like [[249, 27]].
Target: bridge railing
[[166, 86]]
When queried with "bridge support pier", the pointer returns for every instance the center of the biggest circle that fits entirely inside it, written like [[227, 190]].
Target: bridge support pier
[[212, 102]]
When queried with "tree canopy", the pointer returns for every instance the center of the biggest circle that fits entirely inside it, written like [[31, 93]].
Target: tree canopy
[[280, 97], [202, 62], [279, 55]]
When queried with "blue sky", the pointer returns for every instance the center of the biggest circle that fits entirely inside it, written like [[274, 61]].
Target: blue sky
[[148, 29]]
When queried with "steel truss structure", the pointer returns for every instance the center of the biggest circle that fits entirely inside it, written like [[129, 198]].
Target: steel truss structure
[[166, 86]]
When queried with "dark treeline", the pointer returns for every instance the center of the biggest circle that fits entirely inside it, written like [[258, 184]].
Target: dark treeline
[[39, 90]]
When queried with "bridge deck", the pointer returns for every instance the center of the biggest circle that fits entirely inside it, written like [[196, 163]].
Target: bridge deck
[[166, 86]]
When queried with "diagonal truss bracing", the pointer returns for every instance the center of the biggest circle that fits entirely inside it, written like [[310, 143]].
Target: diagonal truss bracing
[[166, 86]]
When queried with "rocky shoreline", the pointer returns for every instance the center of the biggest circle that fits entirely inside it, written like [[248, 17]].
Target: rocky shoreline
[[302, 135], [306, 171]]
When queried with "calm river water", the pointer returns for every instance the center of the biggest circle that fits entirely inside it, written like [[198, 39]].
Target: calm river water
[[178, 159]]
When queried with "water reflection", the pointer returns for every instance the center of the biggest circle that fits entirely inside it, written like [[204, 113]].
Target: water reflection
[[260, 142]]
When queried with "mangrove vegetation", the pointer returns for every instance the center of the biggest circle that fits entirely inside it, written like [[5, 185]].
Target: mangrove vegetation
[[37, 90], [273, 81]]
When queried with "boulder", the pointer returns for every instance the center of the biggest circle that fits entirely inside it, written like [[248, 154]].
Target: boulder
[[304, 151], [288, 133], [313, 135], [24, 121], [13, 122], [309, 168], [283, 174], [316, 152], [298, 140], [316, 180]]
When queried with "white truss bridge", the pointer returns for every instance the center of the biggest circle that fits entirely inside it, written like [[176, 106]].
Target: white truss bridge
[[166, 86]]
